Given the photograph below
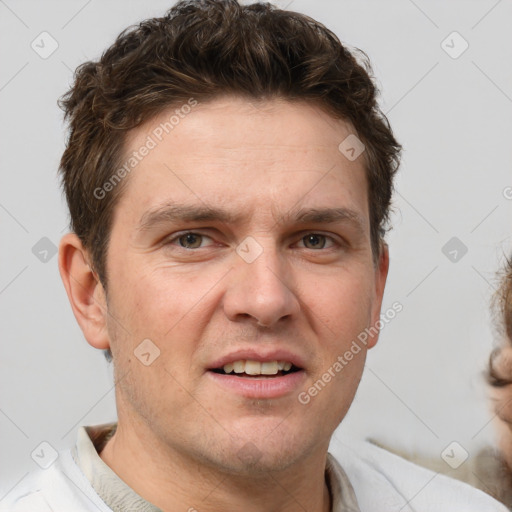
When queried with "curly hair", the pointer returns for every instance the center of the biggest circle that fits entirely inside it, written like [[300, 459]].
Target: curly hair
[[203, 49], [500, 363]]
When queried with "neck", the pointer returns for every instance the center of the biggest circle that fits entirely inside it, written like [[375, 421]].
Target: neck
[[173, 480]]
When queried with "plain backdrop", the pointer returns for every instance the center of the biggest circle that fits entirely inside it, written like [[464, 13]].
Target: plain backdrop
[[451, 108]]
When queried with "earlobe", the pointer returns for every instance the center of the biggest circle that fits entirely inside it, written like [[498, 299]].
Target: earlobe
[[85, 292], [381, 274]]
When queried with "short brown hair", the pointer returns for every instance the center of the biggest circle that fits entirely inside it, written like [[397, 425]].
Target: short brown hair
[[203, 49]]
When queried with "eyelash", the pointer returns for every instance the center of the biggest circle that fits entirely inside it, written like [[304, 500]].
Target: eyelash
[[176, 237]]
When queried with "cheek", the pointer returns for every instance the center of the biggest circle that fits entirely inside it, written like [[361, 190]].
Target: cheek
[[341, 304], [171, 311], [151, 304]]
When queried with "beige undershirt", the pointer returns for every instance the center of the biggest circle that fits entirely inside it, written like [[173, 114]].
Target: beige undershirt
[[122, 498]]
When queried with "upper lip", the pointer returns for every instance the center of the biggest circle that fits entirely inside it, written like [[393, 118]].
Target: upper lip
[[259, 354]]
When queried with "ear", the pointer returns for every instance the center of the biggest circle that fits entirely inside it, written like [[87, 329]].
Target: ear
[[381, 274], [85, 292]]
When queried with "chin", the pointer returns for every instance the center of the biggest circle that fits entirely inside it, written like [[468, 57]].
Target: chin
[[260, 451], [252, 461]]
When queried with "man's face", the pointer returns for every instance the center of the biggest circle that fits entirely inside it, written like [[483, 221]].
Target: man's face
[[243, 235]]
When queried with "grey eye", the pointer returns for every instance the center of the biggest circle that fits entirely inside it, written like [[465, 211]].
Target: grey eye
[[315, 241], [190, 240]]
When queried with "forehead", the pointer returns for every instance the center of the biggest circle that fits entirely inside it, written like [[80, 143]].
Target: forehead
[[253, 124], [244, 154]]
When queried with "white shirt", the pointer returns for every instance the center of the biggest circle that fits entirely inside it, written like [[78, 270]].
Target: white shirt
[[368, 479]]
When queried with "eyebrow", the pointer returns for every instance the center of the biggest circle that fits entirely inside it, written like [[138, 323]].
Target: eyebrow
[[197, 213], [184, 213], [328, 216]]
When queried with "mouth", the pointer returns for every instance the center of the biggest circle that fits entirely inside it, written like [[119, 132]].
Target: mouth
[[255, 369], [258, 379]]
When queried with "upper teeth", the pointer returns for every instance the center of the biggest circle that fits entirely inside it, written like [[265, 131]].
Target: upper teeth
[[256, 367]]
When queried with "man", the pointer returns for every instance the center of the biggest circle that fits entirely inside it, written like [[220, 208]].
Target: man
[[229, 174]]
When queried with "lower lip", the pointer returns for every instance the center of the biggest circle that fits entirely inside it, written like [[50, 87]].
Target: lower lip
[[254, 387]]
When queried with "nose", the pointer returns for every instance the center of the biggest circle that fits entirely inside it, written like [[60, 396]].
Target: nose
[[261, 290]]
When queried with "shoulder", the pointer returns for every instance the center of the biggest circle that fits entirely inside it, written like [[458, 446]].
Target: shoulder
[[60, 488], [385, 482]]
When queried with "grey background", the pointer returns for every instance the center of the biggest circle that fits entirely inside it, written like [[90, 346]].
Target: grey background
[[423, 385]]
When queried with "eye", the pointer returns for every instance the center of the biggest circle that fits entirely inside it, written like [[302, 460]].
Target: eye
[[189, 240], [316, 241]]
